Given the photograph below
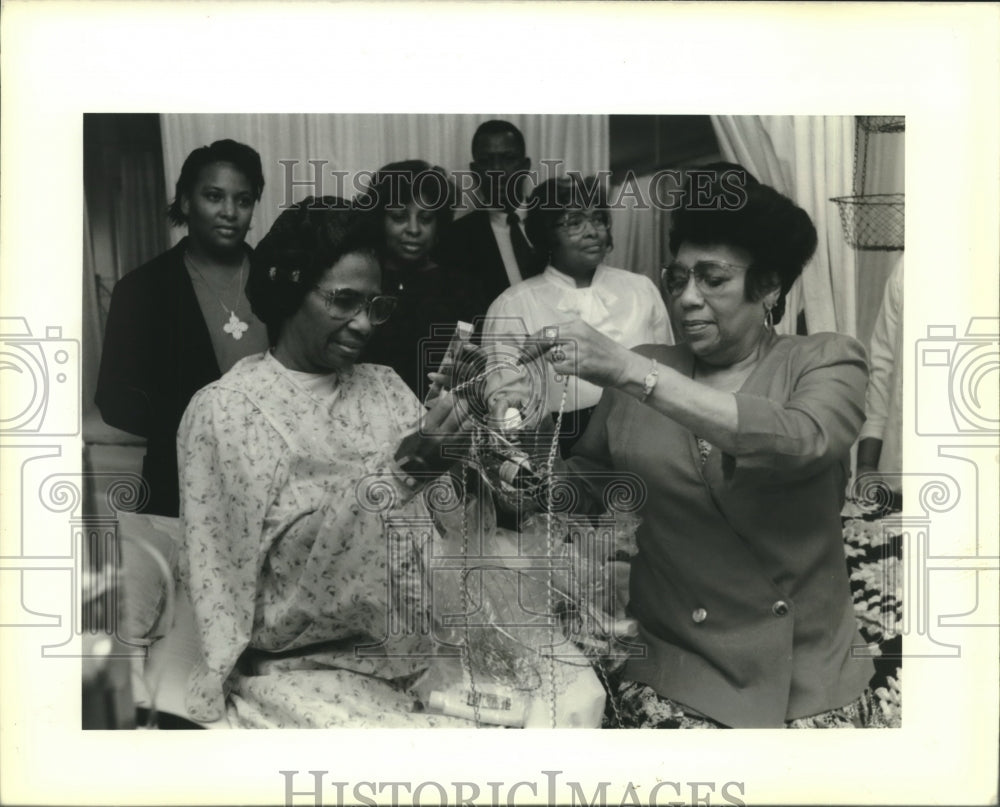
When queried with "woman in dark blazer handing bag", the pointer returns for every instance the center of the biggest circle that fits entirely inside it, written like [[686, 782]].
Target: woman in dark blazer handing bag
[[742, 438]]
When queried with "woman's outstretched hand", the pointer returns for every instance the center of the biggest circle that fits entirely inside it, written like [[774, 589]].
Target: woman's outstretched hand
[[575, 348], [442, 437], [454, 370]]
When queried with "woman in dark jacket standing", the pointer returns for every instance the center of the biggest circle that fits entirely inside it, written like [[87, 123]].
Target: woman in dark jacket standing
[[180, 321], [411, 202]]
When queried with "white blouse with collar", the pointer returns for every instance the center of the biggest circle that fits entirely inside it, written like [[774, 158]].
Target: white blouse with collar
[[624, 306]]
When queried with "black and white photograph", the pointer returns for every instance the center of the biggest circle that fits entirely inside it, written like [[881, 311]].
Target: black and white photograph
[[358, 415], [286, 573]]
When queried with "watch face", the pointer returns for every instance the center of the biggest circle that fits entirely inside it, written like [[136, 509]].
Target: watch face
[[413, 465], [649, 382]]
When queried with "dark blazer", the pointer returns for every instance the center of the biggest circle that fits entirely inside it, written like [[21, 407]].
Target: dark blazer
[[157, 354], [429, 303], [740, 585], [468, 244]]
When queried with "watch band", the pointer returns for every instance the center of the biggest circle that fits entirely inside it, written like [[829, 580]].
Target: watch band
[[649, 382], [410, 469]]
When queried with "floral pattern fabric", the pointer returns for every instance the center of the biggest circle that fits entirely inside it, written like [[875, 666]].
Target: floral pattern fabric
[[283, 552], [640, 706]]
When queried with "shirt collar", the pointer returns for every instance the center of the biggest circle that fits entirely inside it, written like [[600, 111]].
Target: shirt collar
[[314, 383], [498, 218], [562, 279]]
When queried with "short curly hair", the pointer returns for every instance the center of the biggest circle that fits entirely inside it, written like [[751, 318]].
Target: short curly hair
[[302, 244], [778, 234], [550, 201], [398, 184], [245, 158]]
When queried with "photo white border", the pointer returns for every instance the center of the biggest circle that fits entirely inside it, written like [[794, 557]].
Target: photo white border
[[937, 64]]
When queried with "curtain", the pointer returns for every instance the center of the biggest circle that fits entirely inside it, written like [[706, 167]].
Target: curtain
[[93, 331], [639, 229], [360, 142], [810, 159], [124, 225]]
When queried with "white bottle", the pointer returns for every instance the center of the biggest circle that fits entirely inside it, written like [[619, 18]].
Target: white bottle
[[496, 707]]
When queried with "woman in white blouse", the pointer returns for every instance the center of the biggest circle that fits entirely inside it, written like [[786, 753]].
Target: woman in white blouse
[[569, 221]]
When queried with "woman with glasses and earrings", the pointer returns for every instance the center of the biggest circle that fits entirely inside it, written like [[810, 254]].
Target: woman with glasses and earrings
[[569, 221], [284, 463], [742, 437], [411, 202], [183, 319]]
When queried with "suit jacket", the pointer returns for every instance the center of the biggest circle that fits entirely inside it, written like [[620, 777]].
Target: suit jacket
[[468, 244], [157, 354], [740, 585]]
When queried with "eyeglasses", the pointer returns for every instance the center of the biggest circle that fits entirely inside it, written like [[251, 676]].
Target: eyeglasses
[[709, 277], [348, 303], [574, 223]]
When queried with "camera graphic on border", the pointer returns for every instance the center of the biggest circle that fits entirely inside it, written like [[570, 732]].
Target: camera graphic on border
[[959, 375], [40, 380]]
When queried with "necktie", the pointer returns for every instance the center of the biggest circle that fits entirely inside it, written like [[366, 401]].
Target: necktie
[[527, 262]]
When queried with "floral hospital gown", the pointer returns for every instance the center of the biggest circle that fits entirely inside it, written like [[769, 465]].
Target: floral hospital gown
[[286, 570]]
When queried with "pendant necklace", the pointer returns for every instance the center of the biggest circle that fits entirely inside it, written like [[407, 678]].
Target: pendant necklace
[[235, 327]]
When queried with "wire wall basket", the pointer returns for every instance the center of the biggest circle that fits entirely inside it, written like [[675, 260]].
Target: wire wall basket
[[873, 221], [882, 123]]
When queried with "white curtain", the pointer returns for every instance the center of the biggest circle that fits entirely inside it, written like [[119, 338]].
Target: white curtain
[[810, 159], [639, 229], [356, 142]]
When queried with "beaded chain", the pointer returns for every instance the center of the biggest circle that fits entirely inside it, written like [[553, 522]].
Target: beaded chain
[[549, 540], [475, 379], [467, 655], [550, 550]]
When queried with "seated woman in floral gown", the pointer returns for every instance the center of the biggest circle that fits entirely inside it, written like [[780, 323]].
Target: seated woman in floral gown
[[285, 466]]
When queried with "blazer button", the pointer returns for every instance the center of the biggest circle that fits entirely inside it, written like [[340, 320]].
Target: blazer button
[[780, 608], [699, 615]]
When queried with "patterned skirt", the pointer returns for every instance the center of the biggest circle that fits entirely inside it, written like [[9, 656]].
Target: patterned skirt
[[638, 706]]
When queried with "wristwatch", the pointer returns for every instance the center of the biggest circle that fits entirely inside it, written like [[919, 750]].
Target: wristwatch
[[649, 382], [411, 469]]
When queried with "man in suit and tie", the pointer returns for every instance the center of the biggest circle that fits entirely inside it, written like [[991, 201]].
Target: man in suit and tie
[[489, 245]]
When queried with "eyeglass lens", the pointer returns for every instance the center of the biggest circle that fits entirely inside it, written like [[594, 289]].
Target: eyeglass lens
[[347, 303], [708, 276], [574, 223]]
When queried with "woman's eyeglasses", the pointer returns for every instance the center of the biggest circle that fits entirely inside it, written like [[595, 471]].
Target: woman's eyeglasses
[[709, 277], [575, 223], [348, 303]]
